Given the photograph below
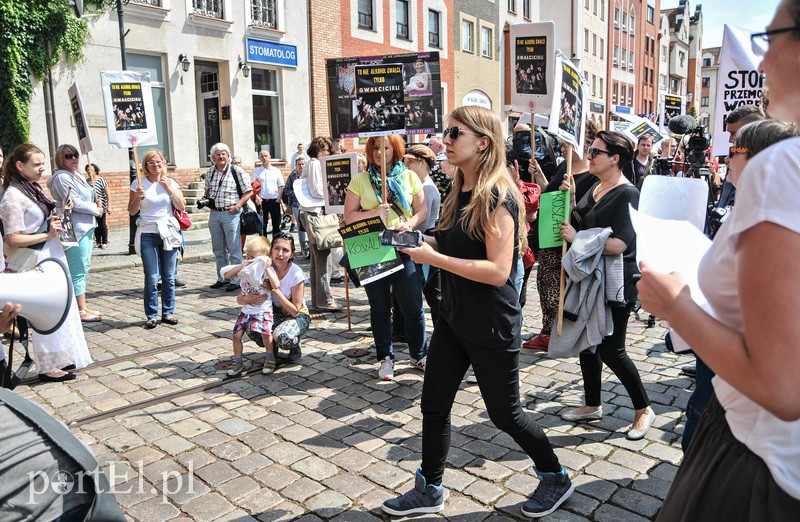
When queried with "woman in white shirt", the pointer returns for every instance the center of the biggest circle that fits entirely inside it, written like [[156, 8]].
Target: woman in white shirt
[[744, 460], [158, 236]]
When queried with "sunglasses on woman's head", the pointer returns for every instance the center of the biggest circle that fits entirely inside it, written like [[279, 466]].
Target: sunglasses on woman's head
[[72, 156], [454, 132], [738, 150]]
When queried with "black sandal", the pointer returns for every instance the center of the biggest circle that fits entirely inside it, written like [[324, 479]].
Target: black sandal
[[150, 324], [168, 319]]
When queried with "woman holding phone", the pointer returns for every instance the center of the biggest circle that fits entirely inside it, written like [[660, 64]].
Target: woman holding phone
[[31, 234]]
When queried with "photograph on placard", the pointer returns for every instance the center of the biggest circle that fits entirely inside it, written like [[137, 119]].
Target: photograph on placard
[[337, 170], [533, 66], [567, 119], [379, 99], [129, 110]]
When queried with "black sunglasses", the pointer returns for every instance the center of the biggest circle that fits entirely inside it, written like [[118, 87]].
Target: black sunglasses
[[72, 156], [760, 41], [454, 132], [593, 152], [738, 150]]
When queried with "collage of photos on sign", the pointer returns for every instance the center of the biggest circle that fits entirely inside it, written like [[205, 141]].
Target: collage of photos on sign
[[531, 65]]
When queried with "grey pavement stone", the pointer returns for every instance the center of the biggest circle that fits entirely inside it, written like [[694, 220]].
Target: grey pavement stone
[[315, 468], [484, 492], [350, 485], [276, 477], [640, 504], [207, 507], [465, 509], [238, 487], [328, 503], [154, 509], [260, 501], [173, 445], [232, 450], [594, 487], [386, 475], [609, 513], [249, 464], [302, 489], [216, 473]]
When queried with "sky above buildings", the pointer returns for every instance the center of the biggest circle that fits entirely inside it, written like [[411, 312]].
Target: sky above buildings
[[752, 15]]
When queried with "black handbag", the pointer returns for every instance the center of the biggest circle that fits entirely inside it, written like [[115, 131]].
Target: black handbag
[[250, 221]]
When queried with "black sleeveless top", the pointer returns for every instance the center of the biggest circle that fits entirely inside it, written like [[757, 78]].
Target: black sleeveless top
[[477, 311]]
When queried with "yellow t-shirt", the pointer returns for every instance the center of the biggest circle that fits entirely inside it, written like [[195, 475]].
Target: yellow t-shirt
[[361, 186]]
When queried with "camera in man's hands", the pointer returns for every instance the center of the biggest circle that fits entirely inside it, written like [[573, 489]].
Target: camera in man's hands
[[206, 202], [716, 217]]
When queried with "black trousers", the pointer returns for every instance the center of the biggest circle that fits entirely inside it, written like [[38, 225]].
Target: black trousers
[[496, 367], [101, 232], [271, 208], [612, 352], [721, 479]]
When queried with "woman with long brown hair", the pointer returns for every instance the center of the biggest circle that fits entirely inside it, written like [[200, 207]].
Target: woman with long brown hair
[[31, 235]]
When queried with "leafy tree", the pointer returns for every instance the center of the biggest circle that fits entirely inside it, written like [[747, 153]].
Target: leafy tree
[[27, 27], [692, 111]]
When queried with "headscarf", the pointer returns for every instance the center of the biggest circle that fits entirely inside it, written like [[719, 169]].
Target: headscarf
[[394, 190]]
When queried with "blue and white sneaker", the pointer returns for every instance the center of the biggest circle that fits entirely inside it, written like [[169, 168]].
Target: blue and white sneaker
[[424, 498], [553, 490]]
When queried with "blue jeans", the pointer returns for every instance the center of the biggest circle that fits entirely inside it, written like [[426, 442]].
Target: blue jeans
[[406, 286], [158, 263], [497, 370], [300, 230], [703, 391], [226, 242]]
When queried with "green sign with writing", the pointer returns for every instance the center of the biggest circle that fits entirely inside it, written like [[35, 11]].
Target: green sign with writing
[[553, 209], [362, 241]]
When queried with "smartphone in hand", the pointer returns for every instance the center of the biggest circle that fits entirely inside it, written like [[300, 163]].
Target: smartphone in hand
[[406, 239]]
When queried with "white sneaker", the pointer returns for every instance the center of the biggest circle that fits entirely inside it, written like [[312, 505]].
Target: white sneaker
[[419, 364], [386, 371]]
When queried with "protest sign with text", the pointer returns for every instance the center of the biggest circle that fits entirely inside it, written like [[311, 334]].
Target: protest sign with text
[[567, 120], [128, 102], [368, 259], [79, 117], [419, 94], [553, 209], [533, 48], [739, 82], [337, 170], [671, 106]]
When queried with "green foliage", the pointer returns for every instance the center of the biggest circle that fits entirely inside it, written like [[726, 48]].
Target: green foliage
[[692, 111], [26, 28]]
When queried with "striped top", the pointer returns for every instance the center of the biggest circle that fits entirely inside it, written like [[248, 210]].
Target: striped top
[[100, 191]]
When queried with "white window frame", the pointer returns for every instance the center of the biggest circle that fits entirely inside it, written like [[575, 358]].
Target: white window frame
[[487, 44], [468, 40]]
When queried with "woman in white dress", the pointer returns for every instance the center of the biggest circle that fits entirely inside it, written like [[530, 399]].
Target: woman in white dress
[[421, 79], [29, 236]]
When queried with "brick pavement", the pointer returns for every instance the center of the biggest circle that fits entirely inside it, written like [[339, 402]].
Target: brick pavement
[[326, 440]]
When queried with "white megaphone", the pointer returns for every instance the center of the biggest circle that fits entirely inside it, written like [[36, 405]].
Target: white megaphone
[[45, 293]]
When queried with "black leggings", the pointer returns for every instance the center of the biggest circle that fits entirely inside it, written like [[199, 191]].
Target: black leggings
[[101, 232], [612, 352], [496, 367]]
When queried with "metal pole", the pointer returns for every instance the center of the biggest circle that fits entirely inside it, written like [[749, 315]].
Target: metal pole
[[49, 111], [131, 162]]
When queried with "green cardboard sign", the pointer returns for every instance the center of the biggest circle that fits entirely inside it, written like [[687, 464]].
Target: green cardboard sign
[[553, 210], [362, 241]]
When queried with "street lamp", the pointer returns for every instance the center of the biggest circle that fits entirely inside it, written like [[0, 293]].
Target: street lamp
[[184, 62], [244, 68]]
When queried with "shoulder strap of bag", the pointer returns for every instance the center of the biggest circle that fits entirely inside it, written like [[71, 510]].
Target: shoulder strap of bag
[[234, 170]]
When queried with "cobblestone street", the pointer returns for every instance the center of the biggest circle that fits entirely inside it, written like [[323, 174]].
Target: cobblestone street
[[325, 440]]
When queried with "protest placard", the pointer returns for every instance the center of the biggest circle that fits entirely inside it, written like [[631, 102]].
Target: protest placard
[[337, 170], [533, 48], [739, 82], [128, 102], [79, 117], [368, 259], [644, 127], [567, 120], [553, 209], [671, 106], [420, 94], [379, 99]]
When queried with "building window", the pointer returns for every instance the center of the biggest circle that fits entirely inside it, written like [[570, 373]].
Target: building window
[[586, 40], [594, 8], [624, 21], [266, 112], [152, 64], [633, 25], [264, 13], [704, 101], [602, 9], [594, 44], [630, 97], [614, 93], [651, 14], [673, 85], [594, 85], [663, 53], [602, 92], [512, 6], [706, 62], [616, 55], [402, 19], [212, 8], [486, 42], [434, 18], [682, 58], [624, 60], [602, 48], [622, 92], [365, 14], [630, 60], [706, 82], [526, 9], [466, 35], [616, 17], [662, 81]]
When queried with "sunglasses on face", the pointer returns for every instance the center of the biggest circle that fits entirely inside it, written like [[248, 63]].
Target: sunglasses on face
[[738, 150], [72, 156], [593, 152], [455, 132]]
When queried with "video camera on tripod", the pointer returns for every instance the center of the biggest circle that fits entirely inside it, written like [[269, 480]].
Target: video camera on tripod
[[696, 142]]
